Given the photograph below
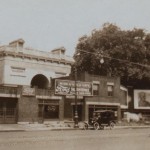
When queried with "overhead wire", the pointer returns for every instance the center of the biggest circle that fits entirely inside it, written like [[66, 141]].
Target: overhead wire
[[127, 61]]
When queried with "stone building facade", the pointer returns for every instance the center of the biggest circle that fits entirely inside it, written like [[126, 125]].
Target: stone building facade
[[25, 82], [25, 66]]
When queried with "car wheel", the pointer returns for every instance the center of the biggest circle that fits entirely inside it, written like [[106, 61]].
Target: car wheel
[[96, 126], [112, 124]]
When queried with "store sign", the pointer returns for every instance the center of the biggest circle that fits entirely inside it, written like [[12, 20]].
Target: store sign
[[67, 87], [27, 91]]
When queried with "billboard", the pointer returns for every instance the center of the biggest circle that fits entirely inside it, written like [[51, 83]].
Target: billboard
[[67, 87], [142, 99]]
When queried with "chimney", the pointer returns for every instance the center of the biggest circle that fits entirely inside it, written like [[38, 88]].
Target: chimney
[[59, 51]]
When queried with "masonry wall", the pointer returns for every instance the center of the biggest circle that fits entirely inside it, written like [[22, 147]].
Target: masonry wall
[[103, 81], [123, 97], [27, 109], [68, 112], [61, 110], [20, 71], [68, 109]]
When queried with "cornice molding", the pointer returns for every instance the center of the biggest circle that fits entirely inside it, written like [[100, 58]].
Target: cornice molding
[[23, 56]]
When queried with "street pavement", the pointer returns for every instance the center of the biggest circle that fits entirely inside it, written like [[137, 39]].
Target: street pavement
[[118, 139]]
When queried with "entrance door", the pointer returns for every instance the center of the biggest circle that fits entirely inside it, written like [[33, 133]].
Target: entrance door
[[7, 111]]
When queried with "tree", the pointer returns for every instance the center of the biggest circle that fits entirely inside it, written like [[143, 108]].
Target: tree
[[126, 54]]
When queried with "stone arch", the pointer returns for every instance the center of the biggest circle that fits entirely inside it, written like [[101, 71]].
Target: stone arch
[[40, 81]]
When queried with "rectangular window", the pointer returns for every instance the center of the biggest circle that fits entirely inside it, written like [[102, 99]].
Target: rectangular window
[[48, 111], [110, 89], [95, 89]]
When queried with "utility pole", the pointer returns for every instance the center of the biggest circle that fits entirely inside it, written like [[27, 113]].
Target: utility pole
[[76, 106]]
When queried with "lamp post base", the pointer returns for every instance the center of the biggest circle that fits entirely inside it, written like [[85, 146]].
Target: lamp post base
[[76, 120]]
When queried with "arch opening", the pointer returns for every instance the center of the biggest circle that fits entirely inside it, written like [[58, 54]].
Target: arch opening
[[40, 81]]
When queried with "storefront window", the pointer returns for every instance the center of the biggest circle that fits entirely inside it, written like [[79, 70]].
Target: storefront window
[[51, 112], [48, 109]]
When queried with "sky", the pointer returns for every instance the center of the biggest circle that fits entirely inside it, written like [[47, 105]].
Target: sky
[[49, 24]]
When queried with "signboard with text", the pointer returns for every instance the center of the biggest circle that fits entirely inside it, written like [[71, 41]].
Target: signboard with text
[[27, 91], [67, 87]]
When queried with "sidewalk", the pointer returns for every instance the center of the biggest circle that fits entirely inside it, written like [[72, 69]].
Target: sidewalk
[[36, 126], [52, 127], [30, 127]]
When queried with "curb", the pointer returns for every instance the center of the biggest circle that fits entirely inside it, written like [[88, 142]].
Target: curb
[[67, 129], [134, 127], [12, 130], [60, 129]]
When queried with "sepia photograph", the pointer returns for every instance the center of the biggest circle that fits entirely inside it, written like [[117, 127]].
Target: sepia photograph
[[74, 75]]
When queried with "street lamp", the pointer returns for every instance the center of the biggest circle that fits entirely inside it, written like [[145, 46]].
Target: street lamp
[[100, 57], [76, 106]]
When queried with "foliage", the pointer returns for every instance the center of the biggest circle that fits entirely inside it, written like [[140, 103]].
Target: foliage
[[126, 54]]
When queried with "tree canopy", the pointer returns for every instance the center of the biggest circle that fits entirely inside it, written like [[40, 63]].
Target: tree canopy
[[126, 54]]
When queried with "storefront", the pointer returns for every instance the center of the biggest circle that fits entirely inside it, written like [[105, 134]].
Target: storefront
[[39, 105], [48, 109], [8, 110]]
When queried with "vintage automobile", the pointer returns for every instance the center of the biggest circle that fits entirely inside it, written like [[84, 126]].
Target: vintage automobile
[[101, 119]]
